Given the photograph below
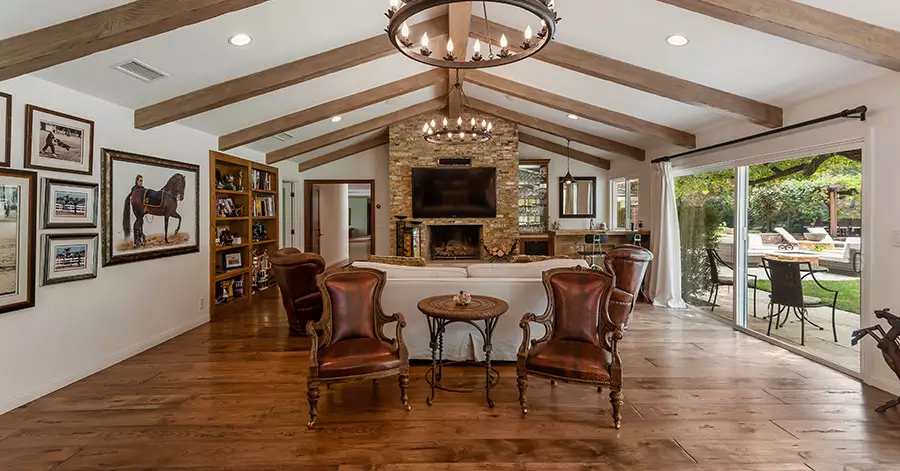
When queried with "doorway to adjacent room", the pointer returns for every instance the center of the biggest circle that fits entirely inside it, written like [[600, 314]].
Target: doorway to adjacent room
[[339, 221]]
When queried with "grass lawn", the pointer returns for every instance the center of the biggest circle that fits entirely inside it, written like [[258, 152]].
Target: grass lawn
[[848, 297]]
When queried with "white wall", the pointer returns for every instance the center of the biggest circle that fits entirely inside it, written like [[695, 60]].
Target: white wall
[[334, 224], [557, 170], [79, 328], [880, 140], [359, 210], [369, 165]]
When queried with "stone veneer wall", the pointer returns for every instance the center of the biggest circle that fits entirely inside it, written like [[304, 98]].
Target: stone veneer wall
[[408, 150]]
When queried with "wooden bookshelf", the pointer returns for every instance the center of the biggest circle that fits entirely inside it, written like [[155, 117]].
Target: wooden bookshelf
[[255, 183]]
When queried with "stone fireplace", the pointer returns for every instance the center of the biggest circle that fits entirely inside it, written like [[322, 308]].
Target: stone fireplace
[[457, 242]]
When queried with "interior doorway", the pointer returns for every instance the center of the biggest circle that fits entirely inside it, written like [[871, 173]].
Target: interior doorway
[[339, 221]]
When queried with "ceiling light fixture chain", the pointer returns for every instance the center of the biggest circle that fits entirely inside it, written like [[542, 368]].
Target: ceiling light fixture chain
[[398, 30]]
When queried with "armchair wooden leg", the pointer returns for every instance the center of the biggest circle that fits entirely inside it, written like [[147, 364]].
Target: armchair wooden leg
[[553, 383], [404, 385], [599, 389], [617, 399], [313, 396], [522, 381]]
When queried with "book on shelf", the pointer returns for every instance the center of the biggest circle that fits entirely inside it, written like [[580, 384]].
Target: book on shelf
[[263, 206], [261, 180]]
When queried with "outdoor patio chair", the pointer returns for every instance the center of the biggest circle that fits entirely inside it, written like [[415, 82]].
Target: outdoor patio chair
[[787, 294], [717, 280]]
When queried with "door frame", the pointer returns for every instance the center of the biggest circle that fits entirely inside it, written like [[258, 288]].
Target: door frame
[[293, 212], [307, 209]]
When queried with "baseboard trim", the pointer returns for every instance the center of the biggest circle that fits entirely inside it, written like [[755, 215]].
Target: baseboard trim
[[117, 357], [887, 385]]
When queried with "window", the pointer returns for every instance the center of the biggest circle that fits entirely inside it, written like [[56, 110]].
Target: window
[[624, 199]]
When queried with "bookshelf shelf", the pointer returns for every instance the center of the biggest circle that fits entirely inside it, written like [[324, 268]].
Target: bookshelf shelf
[[261, 196]]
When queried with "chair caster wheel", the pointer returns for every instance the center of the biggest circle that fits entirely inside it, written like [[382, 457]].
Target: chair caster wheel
[[408, 408], [310, 424], [429, 401], [491, 404]]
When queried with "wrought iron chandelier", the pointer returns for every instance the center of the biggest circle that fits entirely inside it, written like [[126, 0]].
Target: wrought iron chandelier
[[398, 31], [460, 132]]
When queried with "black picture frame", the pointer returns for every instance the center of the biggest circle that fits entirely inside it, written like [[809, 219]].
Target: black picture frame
[[30, 135], [108, 202], [31, 228], [49, 202], [49, 238], [562, 187]]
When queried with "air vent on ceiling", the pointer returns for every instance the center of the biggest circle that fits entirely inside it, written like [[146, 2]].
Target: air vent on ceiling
[[141, 71], [284, 137]]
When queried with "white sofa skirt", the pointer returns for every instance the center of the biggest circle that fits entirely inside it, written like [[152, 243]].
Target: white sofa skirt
[[462, 341]]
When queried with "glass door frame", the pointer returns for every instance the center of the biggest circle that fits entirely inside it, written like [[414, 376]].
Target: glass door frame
[[739, 320]]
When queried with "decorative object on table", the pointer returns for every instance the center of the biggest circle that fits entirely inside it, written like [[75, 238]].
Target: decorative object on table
[[499, 254], [70, 257], [457, 57], [555, 225], [345, 353], [136, 219], [5, 129], [58, 142], [581, 346], [602, 226], [18, 203], [889, 345], [260, 232], [463, 298], [440, 312], [224, 237], [233, 260], [70, 204]]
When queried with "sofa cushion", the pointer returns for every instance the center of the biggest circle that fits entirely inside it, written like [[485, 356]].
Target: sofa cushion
[[394, 271], [520, 270]]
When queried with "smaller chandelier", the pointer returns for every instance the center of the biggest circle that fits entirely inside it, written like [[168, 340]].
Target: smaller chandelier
[[472, 132], [484, 53]]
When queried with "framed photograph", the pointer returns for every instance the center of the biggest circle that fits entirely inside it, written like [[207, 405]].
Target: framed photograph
[[58, 142], [70, 204], [233, 260], [151, 207], [69, 257], [18, 210], [5, 128]]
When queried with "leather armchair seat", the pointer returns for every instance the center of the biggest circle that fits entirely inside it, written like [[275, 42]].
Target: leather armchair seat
[[357, 357], [569, 359]]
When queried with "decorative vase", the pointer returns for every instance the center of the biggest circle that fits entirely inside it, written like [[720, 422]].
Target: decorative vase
[[463, 298]]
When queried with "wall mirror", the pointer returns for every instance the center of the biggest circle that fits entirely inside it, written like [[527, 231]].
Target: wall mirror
[[579, 198]]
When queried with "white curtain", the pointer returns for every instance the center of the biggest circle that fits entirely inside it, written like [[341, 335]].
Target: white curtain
[[665, 279]]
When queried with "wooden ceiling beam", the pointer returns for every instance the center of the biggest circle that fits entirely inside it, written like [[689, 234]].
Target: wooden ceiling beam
[[377, 141], [434, 77], [583, 157], [557, 130], [54, 45], [459, 19], [355, 130], [806, 25], [276, 78], [584, 110], [639, 78]]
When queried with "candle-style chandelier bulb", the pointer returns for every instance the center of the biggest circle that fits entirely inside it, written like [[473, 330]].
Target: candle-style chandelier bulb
[[424, 50], [503, 41], [445, 122], [404, 30], [476, 51], [459, 122], [504, 49], [450, 57]]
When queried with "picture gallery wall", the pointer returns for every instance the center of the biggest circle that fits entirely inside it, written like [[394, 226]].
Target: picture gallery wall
[[102, 235]]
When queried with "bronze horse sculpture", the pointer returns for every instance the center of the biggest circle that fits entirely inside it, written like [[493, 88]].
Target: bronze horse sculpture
[[887, 343], [156, 203]]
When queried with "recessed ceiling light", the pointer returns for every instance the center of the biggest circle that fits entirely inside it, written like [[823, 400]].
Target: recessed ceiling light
[[336, 119], [677, 40], [573, 116], [240, 40]]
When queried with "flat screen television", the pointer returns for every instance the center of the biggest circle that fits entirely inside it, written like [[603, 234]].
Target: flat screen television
[[454, 192]]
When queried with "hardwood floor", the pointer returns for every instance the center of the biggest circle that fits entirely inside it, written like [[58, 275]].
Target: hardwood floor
[[231, 395]]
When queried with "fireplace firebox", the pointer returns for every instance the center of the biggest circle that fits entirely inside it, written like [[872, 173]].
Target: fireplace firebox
[[455, 242]]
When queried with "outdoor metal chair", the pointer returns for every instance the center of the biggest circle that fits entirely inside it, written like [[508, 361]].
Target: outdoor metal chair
[[717, 280], [787, 294]]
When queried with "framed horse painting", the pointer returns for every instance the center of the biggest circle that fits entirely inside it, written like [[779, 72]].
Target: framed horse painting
[[151, 207], [18, 209]]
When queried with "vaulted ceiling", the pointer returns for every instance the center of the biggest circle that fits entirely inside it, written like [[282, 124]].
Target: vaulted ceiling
[[309, 61]]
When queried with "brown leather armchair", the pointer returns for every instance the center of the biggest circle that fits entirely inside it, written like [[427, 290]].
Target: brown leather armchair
[[580, 344], [296, 273], [352, 345], [629, 263]]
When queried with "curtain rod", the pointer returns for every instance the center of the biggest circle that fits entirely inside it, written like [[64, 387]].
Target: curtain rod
[[856, 113]]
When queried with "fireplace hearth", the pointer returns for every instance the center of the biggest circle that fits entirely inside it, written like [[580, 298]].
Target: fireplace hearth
[[462, 242]]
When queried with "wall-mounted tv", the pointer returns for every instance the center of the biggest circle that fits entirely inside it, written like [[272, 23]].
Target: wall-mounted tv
[[454, 192]]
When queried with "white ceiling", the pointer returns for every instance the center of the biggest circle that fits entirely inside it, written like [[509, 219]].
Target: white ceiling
[[721, 55]]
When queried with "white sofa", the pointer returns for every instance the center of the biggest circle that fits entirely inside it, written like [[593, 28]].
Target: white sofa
[[519, 284]]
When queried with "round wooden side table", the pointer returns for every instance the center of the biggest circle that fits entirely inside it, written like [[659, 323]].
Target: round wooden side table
[[441, 311]]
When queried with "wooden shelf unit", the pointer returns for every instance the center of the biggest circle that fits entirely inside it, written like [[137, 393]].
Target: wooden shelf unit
[[240, 226]]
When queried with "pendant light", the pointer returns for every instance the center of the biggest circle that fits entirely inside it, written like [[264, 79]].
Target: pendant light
[[568, 179]]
